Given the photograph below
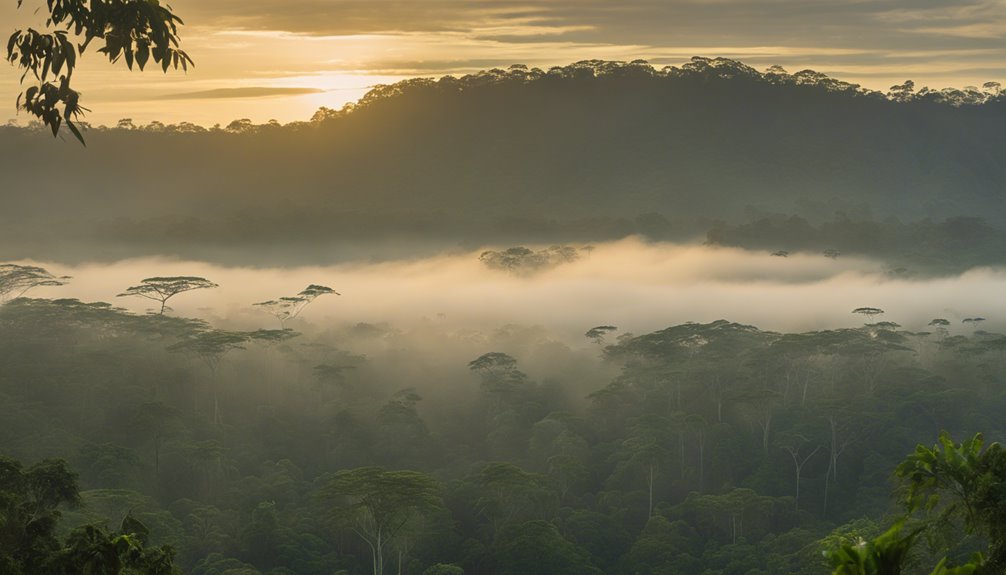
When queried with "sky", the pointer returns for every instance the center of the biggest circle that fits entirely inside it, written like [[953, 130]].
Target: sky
[[282, 60]]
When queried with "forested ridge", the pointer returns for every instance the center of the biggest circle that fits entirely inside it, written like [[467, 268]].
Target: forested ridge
[[591, 151], [713, 448]]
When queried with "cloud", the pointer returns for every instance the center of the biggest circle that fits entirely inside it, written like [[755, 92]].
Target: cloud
[[814, 33], [249, 92]]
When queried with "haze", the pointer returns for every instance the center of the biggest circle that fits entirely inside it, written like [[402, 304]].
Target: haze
[[635, 285]]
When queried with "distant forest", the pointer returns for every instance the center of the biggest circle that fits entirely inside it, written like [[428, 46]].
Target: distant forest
[[587, 152]]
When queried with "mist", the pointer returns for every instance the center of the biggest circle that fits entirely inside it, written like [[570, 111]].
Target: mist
[[636, 285]]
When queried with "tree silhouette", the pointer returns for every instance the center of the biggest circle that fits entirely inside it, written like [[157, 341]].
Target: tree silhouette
[[134, 30], [161, 289], [287, 308], [596, 334], [974, 321], [210, 346], [17, 280], [869, 312]]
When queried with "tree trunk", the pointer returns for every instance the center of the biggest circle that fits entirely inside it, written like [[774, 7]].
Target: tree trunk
[[702, 461], [827, 483], [681, 448], [649, 512], [157, 456], [797, 498], [216, 407], [379, 566]]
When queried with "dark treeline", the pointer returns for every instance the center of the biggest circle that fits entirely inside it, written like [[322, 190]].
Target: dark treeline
[[586, 152], [700, 449], [918, 248]]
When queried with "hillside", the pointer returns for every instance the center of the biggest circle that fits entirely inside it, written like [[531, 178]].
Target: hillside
[[587, 152]]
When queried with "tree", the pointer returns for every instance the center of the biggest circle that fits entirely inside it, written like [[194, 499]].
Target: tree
[[974, 321], [941, 326], [500, 376], [836, 448], [92, 549], [793, 445], [868, 311], [210, 346], [155, 421], [134, 30], [520, 259], [537, 548], [378, 505], [289, 307], [161, 289], [510, 495], [17, 280], [29, 512], [732, 506], [645, 450], [596, 334], [887, 555], [961, 484]]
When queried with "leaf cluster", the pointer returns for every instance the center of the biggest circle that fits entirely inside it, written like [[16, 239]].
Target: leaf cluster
[[133, 30]]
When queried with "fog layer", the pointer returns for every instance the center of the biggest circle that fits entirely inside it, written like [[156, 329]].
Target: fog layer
[[637, 286]]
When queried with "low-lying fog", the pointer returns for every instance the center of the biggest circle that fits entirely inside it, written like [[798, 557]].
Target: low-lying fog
[[637, 286]]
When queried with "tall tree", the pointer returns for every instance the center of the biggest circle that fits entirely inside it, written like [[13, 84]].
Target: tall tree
[[793, 444], [210, 346], [645, 450], [869, 312], [378, 505], [17, 280], [161, 289], [287, 308]]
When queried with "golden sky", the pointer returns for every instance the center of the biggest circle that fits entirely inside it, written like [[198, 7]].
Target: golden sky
[[283, 59]]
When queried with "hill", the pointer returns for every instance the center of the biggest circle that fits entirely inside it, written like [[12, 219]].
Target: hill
[[586, 152]]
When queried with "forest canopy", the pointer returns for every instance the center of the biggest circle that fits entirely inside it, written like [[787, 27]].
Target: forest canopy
[[583, 153]]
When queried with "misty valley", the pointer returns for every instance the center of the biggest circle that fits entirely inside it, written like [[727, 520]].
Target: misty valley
[[597, 319], [558, 409]]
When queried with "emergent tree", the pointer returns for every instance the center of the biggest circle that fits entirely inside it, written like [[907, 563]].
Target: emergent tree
[[161, 289]]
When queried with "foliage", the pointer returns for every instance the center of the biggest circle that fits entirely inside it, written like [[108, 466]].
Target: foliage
[[663, 470], [962, 484], [29, 513], [287, 308], [379, 505], [522, 260], [596, 334], [17, 280], [135, 30], [161, 289], [889, 554]]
